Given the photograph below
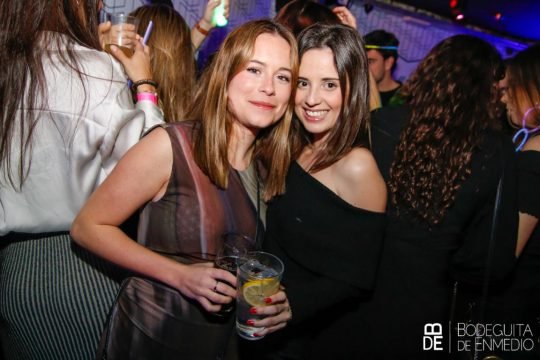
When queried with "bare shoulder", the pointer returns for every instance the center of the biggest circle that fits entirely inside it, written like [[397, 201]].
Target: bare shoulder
[[533, 144], [154, 147], [359, 181], [357, 165], [149, 161]]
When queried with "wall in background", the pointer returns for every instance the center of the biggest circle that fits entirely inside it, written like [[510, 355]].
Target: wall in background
[[417, 32], [192, 10]]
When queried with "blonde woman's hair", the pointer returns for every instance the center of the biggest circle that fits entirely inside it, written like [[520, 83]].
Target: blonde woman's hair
[[173, 64], [210, 107]]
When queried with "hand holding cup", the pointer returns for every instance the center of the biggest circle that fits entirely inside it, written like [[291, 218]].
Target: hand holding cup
[[234, 248], [122, 33]]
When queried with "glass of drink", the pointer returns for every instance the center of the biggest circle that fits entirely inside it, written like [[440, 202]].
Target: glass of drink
[[233, 250], [258, 278], [122, 33]]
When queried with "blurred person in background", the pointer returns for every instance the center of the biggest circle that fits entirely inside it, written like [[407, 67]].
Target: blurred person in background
[[382, 51], [519, 302], [66, 118], [171, 56], [446, 158]]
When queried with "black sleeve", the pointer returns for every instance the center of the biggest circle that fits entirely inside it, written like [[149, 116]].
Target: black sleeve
[[309, 299], [386, 126], [528, 180], [469, 264]]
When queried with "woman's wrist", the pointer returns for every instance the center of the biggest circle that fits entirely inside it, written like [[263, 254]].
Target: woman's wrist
[[205, 24], [204, 27], [146, 88], [144, 85], [148, 96]]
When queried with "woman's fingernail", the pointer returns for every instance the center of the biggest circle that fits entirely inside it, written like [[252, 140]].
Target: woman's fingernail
[[256, 335], [252, 310], [250, 322], [268, 300]]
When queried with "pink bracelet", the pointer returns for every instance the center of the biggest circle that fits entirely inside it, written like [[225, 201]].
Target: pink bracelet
[[147, 96]]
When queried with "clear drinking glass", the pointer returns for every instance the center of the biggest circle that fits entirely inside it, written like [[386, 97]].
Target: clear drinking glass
[[234, 248], [258, 278]]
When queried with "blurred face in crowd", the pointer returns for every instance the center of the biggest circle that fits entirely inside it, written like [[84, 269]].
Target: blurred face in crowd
[[378, 65], [516, 103]]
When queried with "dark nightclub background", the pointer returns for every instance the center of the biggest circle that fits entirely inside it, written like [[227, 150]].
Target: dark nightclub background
[[419, 24]]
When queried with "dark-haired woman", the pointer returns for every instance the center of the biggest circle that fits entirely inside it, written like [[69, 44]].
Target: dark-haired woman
[[519, 302], [66, 118], [328, 226], [443, 181], [300, 14]]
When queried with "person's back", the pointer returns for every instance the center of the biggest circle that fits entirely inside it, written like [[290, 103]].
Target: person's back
[[84, 116], [173, 63], [443, 179], [67, 117]]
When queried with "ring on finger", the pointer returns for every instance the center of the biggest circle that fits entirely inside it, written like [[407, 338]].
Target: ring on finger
[[215, 286]]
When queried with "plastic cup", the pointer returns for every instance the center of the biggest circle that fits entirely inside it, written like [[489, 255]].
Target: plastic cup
[[122, 33]]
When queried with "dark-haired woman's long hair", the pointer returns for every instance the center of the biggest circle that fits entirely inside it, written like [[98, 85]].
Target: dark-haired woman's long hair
[[352, 126], [25, 30], [523, 74], [453, 99]]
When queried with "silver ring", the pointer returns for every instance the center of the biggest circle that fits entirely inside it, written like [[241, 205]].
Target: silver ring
[[215, 287]]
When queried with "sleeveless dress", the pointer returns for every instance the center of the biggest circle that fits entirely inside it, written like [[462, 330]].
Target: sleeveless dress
[[151, 320], [330, 250]]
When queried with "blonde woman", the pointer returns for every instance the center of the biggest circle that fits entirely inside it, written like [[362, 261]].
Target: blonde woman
[[188, 176], [171, 57]]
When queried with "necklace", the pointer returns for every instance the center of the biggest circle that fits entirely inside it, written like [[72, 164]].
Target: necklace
[[524, 132]]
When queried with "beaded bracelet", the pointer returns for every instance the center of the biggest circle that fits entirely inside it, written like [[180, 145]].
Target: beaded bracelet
[[147, 96], [201, 30], [136, 84]]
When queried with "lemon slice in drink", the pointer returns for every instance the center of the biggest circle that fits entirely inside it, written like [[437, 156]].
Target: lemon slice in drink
[[255, 291]]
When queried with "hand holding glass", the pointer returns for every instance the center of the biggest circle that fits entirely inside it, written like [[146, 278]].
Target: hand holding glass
[[233, 250], [258, 278]]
